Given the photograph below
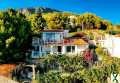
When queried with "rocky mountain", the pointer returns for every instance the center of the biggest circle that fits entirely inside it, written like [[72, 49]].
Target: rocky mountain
[[37, 10]]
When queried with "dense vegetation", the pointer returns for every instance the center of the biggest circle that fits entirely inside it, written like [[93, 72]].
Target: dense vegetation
[[75, 22], [67, 69], [75, 69], [72, 22], [14, 36]]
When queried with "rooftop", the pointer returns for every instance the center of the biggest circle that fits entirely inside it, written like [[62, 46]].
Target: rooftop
[[117, 35], [79, 42], [53, 30], [75, 41]]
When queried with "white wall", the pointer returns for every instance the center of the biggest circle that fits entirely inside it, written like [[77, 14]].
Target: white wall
[[81, 48], [78, 49], [109, 43], [63, 49], [112, 43], [116, 47]]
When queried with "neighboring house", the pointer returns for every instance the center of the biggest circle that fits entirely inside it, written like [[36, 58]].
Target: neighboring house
[[112, 43], [57, 42], [104, 41], [109, 42], [74, 45], [98, 38]]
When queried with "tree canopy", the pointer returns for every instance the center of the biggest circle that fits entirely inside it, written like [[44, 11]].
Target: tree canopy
[[55, 20], [38, 23], [14, 35], [74, 22]]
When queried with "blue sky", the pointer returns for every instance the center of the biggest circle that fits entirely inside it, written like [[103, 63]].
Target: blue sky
[[107, 9]]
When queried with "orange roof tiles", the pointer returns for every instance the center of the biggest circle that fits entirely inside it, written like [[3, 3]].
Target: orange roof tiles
[[75, 41], [117, 35], [79, 42]]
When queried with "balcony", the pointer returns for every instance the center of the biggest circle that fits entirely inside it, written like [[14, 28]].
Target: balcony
[[35, 54], [49, 42]]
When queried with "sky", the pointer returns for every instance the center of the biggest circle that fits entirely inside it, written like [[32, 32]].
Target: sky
[[107, 9]]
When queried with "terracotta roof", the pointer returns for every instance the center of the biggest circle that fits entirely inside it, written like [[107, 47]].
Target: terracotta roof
[[75, 41], [79, 42], [53, 30], [117, 35]]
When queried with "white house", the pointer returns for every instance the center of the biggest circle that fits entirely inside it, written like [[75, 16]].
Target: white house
[[57, 42], [111, 43], [49, 43]]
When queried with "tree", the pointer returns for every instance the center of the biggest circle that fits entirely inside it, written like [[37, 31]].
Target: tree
[[38, 23], [87, 21], [74, 22], [56, 20], [105, 24], [14, 36], [91, 21]]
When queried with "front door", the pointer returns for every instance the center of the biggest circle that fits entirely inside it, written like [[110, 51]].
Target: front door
[[59, 49]]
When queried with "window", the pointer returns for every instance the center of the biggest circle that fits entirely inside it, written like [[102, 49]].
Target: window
[[70, 48], [73, 48], [59, 48], [41, 48], [35, 40], [52, 36], [36, 48], [36, 53]]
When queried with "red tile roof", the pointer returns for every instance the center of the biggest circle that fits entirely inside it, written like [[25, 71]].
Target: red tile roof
[[75, 42], [117, 35]]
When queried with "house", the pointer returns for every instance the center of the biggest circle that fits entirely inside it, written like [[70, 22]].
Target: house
[[109, 42], [98, 38], [49, 43], [57, 42], [75, 44], [112, 43]]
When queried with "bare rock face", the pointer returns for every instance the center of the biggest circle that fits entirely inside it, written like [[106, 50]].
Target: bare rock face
[[37, 10]]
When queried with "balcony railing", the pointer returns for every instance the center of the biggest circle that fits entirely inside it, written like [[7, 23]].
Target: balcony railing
[[46, 42], [51, 42]]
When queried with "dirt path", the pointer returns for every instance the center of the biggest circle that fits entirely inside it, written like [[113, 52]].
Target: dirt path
[[6, 80]]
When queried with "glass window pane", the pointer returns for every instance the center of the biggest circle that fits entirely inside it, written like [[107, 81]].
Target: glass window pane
[[68, 48], [73, 48]]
